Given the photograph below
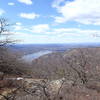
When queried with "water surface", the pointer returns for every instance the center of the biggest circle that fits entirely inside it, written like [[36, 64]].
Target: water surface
[[31, 57]]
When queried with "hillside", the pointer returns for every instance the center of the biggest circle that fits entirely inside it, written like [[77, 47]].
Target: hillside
[[54, 62], [73, 75]]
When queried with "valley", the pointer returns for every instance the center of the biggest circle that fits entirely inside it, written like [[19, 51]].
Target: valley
[[48, 72]]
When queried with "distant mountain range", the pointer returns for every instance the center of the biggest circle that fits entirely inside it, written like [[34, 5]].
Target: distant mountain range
[[24, 49]]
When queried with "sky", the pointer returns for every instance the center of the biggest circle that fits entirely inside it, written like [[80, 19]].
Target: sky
[[53, 21]]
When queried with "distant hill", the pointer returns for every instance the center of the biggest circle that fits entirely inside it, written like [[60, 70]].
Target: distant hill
[[55, 63], [24, 49]]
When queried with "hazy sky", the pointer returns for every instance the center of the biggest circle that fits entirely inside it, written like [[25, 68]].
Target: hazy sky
[[53, 21]]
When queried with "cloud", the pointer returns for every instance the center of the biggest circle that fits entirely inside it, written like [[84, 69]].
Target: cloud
[[60, 35], [2, 12], [26, 38], [57, 3], [59, 19], [42, 33], [75, 31], [11, 4], [29, 15], [41, 28], [81, 11], [18, 26], [27, 2], [18, 23]]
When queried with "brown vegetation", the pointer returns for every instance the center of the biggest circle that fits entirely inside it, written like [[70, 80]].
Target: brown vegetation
[[71, 75]]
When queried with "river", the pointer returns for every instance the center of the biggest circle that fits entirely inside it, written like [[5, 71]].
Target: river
[[31, 57]]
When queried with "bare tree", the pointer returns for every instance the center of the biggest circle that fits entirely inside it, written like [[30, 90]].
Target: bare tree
[[7, 59], [78, 63], [5, 32]]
